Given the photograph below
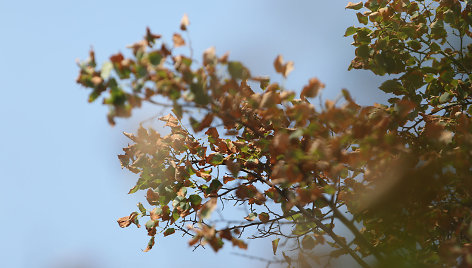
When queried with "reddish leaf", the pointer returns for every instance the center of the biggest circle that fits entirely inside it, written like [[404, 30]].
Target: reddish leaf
[[152, 197]]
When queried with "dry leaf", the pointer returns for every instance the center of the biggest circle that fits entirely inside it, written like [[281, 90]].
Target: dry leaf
[[209, 56], [128, 220], [184, 22], [312, 89], [282, 68], [170, 120], [178, 40]]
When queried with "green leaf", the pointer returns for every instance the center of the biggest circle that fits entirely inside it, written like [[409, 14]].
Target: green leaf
[[350, 31], [155, 57], [329, 189], [237, 70], [141, 208], [275, 245], [169, 231], [175, 215], [150, 224], [391, 86], [216, 159], [362, 18], [195, 199], [444, 97], [414, 44]]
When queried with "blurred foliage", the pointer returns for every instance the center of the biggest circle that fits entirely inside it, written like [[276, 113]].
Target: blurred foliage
[[402, 171]]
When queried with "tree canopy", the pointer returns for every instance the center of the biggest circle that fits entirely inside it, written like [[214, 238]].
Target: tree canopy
[[398, 176]]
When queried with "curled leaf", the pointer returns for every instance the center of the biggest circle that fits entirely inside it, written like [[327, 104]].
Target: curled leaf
[[281, 67], [128, 220]]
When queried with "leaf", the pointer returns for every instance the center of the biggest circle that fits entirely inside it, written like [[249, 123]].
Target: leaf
[[128, 220], [209, 56], [215, 159], [170, 120], [212, 132], [355, 6], [151, 227], [184, 22], [206, 122], [251, 217], [311, 90], [392, 86], [156, 213], [178, 40], [141, 208], [444, 97], [152, 197], [150, 245], [264, 217], [237, 70], [195, 200], [106, 70], [207, 208], [282, 68], [169, 231], [227, 179], [275, 245], [308, 242], [350, 31]]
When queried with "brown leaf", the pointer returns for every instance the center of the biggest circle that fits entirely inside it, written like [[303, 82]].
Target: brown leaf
[[278, 64], [354, 6], [206, 122], [308, 242], [239, 243], [117, 58], [204, 175], [282, 68], [178, 40], [184, 22], [227, 179], [128, 220], [150, 37], [170, 120], [264, 217], [152, 197], [311, 90], [288, 68], [212, 132]]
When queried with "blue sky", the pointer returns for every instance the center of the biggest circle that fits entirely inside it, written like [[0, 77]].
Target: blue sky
[[63, 187]]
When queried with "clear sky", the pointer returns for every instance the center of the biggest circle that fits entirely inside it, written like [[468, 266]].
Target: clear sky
[[62, 185]]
